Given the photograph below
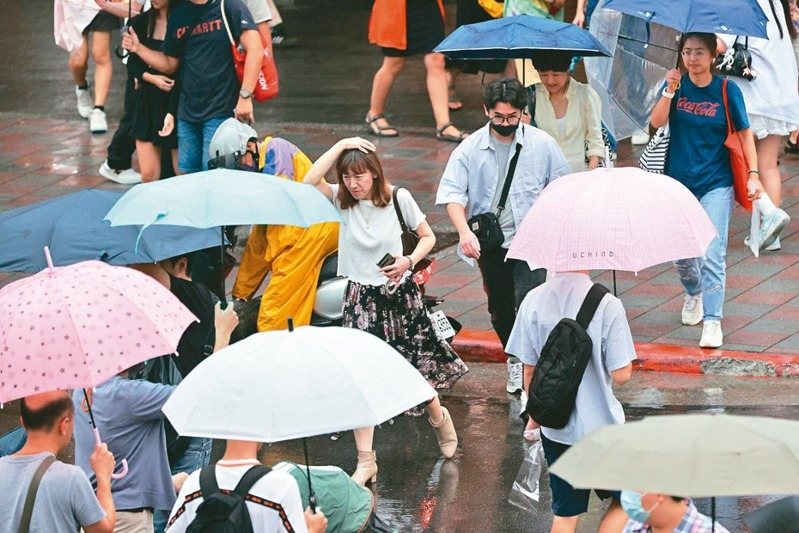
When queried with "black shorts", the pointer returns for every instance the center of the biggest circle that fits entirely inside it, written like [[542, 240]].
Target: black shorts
[[103, 22], [566, 500]]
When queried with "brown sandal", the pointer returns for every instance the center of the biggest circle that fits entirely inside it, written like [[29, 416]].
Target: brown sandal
[[441, 136], [379, 130]]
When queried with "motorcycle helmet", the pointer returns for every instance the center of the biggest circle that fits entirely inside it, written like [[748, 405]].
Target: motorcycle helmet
[[234, 146]]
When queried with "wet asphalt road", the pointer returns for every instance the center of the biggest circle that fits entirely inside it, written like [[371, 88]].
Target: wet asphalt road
[[417, 491]]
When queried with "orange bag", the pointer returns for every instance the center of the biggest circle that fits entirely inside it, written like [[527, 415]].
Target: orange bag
[[267, 84], [738, 164]]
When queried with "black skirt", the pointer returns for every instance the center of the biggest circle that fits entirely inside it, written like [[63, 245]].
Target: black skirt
[[470, 12], [152, 105], [103, 22], [424, 29]]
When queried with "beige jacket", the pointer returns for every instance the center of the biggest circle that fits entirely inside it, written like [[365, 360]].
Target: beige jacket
[[583, 123]]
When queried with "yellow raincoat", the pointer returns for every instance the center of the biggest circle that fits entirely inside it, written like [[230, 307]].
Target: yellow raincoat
[[294, 255]]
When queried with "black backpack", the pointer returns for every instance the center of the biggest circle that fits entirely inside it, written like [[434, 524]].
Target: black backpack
[[561, 365], [224, 511]]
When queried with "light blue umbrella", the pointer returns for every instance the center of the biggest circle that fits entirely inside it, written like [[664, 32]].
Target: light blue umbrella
[[222, 197]]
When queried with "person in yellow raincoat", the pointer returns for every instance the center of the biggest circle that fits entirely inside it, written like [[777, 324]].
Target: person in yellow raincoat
[[294, 255]]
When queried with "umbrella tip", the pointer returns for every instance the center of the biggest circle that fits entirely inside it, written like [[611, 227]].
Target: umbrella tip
[[291, 324], [48, 257]]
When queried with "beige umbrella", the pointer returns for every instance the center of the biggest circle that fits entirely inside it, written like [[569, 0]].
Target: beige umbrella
[[697, 455]]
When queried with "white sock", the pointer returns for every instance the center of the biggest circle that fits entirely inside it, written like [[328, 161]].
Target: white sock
[[765, 205]]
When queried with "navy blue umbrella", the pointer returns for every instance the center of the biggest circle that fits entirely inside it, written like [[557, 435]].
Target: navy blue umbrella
[[517, 37], [735, 17], [73, 227]]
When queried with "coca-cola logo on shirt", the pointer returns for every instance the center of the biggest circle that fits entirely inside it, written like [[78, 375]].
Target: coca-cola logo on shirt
[[704, 109]]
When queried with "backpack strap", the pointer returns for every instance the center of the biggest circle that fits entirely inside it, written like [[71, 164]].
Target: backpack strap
[[590, 304], [403, 225], [33, 488], [249, 479], [208, 483]]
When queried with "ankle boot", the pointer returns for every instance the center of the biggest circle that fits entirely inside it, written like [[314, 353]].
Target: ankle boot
[[366, 471], [445, 431]]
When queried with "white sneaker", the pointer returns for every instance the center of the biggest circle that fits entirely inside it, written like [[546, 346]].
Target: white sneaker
[[85, 101], [771, 226], [692, 310], [97, 121], [515, 373], [712, 337], [640, 137], [773, 247], [125, 177]]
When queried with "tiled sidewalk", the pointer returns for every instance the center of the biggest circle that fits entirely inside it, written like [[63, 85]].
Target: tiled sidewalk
[[41, 158]]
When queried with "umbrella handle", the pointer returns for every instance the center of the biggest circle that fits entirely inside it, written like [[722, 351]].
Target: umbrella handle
[[122, 473]]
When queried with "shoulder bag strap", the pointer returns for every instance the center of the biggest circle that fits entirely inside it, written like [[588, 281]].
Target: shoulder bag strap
[[33, 488], [249, 479], [730, 126], [403, 225], [590, 304], [227, 26], [508, 179], [208, 483]]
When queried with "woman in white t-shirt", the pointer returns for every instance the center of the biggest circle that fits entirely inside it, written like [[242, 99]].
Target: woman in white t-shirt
[[368, 231]]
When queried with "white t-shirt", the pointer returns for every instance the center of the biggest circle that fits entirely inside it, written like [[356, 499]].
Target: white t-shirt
[[367, 233], [278, 488], [542, 308]]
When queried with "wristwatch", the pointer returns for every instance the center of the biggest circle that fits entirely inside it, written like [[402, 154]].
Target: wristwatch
[[244, 93]]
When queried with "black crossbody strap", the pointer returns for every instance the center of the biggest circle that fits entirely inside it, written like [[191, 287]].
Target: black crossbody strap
[[509, 179], [33, 488], [403, 225], [590, 304], [250, 478]]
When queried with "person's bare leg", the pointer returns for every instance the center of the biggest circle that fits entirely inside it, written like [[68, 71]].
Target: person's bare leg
[[614, 520], [768, 151], [364, 438], [103, 67], [175, 160], [381, 87], [510, 69], [79, 63], [453, 101], [564, 524], [149, 161], [434, 411], [437, 91]]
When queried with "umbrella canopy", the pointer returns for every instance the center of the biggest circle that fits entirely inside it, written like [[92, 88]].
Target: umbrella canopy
[[618, 218], [281, 385], [72, 227], [629, 83], [518, 37], [737, 17], [222, 197], [697, 455], [76, 326]]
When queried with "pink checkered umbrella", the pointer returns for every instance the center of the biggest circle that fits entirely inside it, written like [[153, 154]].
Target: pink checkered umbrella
[[619, 218], [79, 325]]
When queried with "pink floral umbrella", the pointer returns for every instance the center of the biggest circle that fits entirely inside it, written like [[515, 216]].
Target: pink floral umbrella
[[79, 325], [620, 218]]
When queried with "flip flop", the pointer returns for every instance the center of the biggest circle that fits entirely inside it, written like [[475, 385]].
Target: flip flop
[[441, 136], [377, 129]]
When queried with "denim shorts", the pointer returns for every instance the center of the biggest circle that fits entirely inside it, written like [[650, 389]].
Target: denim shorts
[[566, 500], [193, 141]]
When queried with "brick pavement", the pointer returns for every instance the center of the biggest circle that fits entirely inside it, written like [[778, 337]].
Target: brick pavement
[[45, 157]]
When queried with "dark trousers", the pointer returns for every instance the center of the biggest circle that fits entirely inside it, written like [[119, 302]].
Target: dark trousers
[[122, 146], [506, 283]]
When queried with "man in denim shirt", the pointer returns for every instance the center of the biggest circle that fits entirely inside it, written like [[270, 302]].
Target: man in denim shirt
[[472, 184]]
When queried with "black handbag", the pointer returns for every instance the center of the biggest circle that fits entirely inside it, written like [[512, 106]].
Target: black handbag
[[736, 61], [409, 237], [485, 226]]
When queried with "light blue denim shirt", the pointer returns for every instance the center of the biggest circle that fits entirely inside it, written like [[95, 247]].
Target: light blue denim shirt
[[471, 176]]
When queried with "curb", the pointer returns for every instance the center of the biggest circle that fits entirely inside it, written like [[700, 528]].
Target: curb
[[484, 347]]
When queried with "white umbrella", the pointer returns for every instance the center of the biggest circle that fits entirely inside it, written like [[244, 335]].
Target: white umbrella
[[281, 385], [697, 455]]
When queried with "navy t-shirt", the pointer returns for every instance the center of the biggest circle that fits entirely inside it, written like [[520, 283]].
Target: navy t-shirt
[[697, 156], [196, 34]]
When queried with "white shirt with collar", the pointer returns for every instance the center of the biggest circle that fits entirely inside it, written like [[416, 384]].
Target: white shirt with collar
[[471, 176]]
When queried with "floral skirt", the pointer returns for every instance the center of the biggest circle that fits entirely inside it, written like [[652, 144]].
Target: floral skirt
[[401, 320]]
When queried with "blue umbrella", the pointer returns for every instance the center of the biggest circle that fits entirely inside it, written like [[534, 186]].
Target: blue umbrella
[[72, 227], [517, 38], [222, 197], [735, 17]]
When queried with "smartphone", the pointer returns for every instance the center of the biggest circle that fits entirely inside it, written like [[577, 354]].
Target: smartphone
[[387, 259]]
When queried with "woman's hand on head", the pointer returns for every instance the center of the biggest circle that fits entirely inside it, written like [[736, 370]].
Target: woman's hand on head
[[357, 143]]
